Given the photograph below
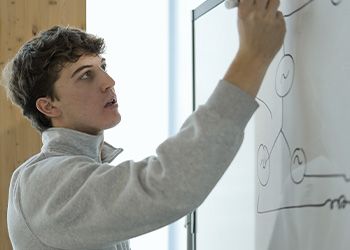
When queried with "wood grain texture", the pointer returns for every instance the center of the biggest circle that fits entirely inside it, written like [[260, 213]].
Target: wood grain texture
[[19, 21]]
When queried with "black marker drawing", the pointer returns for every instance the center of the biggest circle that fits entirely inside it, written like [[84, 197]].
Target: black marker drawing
[[334, 2], [340, 203], [284, 80]]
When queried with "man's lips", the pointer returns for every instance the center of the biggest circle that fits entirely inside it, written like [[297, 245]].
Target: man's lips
[[111, 102]]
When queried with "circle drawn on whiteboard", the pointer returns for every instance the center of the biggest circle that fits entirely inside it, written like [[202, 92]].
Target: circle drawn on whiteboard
[[263, 165], [285, 75], [298, 165]]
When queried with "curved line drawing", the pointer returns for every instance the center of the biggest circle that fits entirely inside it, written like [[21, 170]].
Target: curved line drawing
[[263, 164], [298, 9], [266, 106], [334, 2], [298, 165], [297, 160], [284, 80]]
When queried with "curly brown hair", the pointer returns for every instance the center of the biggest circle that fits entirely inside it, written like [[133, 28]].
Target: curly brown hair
[[32, 72]]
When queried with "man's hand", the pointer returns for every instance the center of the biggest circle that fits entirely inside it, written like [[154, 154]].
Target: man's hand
[[261, 30]]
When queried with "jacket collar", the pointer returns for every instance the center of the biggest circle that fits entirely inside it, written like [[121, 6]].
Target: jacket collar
[[72, 142]]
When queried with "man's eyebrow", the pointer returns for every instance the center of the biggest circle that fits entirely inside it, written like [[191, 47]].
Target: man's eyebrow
[[80, 69], [103, 62]]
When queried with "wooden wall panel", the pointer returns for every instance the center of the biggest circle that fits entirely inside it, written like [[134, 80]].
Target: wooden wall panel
[[19, 21]]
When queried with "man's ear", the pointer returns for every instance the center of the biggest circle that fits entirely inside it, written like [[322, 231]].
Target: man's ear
[[46, 106]]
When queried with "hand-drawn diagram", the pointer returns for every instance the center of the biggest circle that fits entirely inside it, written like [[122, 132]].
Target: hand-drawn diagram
[[278, 154]]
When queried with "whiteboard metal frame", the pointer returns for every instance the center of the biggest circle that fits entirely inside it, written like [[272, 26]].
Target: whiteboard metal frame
[[205, 7]]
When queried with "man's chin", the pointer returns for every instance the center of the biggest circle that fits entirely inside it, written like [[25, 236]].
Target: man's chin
[[115, 122]]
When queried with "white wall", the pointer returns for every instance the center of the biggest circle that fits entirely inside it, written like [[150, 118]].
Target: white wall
[[182, 89], [136, 35]]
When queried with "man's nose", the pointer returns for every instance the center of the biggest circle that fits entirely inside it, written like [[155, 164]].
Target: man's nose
[[108, 82]]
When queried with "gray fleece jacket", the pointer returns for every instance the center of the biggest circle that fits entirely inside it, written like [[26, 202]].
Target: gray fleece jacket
[[69, 197]]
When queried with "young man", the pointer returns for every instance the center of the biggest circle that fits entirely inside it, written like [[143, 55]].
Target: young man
[[68, 196]]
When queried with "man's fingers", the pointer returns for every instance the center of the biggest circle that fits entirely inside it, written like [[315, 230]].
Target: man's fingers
[[245, 7], [261, 4], [272, 6], [246, 3]]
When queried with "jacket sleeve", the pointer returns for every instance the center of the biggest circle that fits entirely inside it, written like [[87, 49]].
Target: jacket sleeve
[[93, 205]]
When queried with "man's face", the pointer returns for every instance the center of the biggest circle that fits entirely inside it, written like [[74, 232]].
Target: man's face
[[87, 100]]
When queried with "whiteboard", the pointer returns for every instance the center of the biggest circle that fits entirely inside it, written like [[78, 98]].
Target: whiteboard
[[302, 138], [296, 151]]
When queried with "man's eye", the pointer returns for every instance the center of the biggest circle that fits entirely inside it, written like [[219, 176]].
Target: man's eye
[[104, 67], [87, 75]]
